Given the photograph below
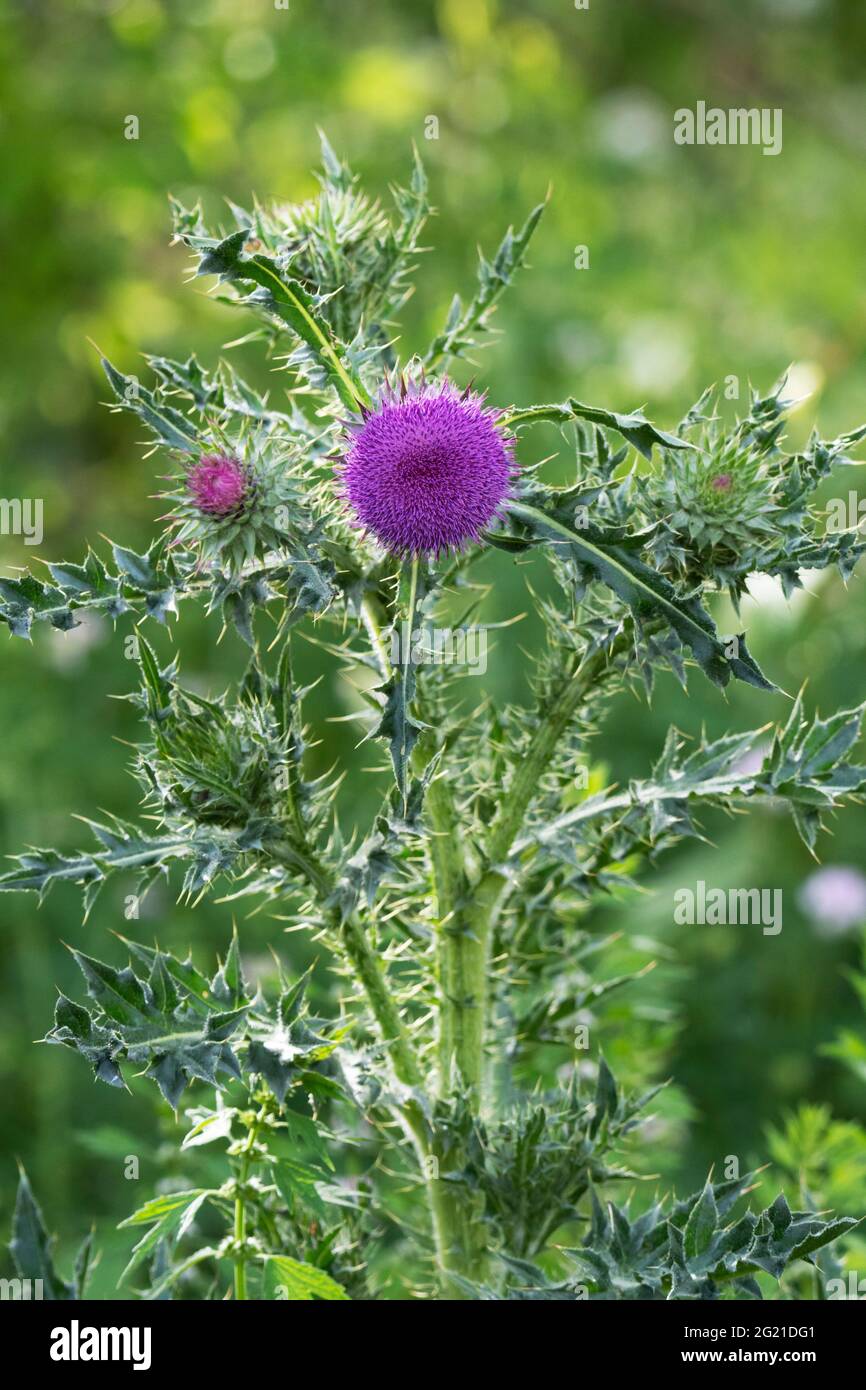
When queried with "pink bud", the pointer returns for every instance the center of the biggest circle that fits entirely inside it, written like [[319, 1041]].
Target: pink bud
[[218, 484]]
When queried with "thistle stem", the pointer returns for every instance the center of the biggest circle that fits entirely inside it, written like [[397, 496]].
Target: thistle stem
[[368, 970], [469, 1008], [240, 1224], [240, 1238], [449, 886], [371, 618], [467, 920]]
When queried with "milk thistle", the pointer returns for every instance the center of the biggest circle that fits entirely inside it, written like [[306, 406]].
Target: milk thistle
[[442, 1121]]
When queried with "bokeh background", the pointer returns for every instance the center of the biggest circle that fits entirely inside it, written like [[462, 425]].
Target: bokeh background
[[704, 264]]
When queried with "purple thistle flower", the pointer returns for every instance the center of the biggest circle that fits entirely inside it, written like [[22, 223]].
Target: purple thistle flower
[[219, 484], [428, 469], [835, 898]]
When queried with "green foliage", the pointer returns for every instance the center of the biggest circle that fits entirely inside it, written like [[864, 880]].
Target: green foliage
[[804, 766], [849, 1046], [148, 582], [822, 1158], [31, 1250], [647, 593], [682, 1250], [466, 326], [181, 1028], [736, 503], [529, 1171], [439, 916]]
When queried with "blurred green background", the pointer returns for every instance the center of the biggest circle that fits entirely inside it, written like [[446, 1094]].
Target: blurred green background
[[704, 264]]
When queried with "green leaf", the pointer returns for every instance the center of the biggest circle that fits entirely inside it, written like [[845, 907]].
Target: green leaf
[[210, 1125], [282, 1048], [155, 1022], [151, 582], [31, 1245], [648, 594], [494, 277], [287, 299], [659, 811], [73, 1027], [170, 427], [25, 600], [174, 1023], [606, 1096], [636, 428], [821, 1234], [701, 1225], [299, 1283], [121, 849], [172, 1214]]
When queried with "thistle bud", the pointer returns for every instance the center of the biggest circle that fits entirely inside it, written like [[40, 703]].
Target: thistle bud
[[219, 485]]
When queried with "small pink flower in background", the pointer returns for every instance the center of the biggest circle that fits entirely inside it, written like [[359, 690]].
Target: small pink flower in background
[[428, 469], [218, 484], [835, 899]]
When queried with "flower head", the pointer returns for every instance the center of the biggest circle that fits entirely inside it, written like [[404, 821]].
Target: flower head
[[835, 898], [715, 506], [219, 485], [239, 499], [428, 468]]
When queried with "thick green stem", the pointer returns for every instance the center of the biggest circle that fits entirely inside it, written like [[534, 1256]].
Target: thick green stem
[[449, 886], [240, 1239], [560, 711], [466, 922], [368, 969], [240, 1223], [363, 959], [467, 919], [478, 920], [461, 1241]]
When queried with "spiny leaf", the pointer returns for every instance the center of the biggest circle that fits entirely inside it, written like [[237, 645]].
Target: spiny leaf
[[170, 427], [288, 300], [494, 277], [172, 1214], [804, 766], [31, 1245], [636, 428], [701, 1225], [648, 593]]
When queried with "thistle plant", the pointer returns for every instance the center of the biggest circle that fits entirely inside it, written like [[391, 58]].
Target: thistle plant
[[354, 510]]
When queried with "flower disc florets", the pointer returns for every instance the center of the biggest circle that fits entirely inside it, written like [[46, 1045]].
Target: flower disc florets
[[428, 469], [219, 485]]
